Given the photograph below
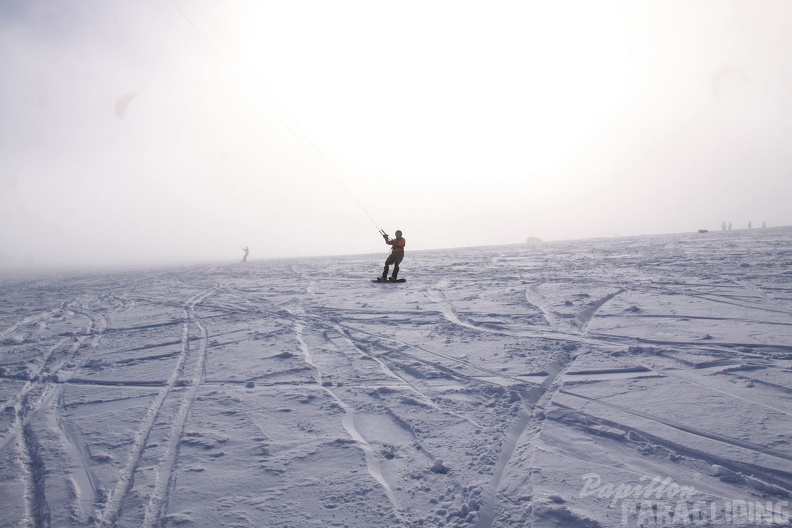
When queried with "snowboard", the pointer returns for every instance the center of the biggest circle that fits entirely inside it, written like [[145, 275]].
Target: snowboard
[[388, 281]]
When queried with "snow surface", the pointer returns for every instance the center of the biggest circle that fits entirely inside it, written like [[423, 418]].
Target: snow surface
[[593, 383]]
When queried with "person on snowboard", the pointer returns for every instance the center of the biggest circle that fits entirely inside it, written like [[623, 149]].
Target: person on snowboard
[[395, 257]]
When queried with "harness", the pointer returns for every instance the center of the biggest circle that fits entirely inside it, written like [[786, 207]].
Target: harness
[[398, 245]]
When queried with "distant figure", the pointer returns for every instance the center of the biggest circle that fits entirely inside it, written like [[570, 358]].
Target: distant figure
[[723, 226], [395, 257], [764, 224], [729, 225], [749, 224], [244, 257]]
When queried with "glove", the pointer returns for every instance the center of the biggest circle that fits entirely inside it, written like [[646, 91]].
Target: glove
[[385, 236]]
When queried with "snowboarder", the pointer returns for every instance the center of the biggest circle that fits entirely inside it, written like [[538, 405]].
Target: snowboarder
[[244, 257], [395, 257]]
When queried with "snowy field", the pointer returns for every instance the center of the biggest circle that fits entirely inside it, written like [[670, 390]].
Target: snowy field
[[619, 382]]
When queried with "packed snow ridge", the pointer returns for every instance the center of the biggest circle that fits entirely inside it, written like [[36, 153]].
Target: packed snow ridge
[[625, 382]]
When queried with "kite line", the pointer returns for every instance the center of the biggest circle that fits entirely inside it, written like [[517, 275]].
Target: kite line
[[289, 122]]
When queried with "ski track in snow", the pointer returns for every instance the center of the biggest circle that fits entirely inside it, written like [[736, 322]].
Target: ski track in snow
[[348, 421], [37, 394], [584, 317], [388, 371], [475, 395], [534, 297], [108, 516], [524, 422], [164, 472]]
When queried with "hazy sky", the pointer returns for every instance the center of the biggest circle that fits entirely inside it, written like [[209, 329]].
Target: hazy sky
[[293, 127]]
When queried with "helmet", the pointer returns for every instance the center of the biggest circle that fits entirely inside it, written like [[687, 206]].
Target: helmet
[[398, 233]]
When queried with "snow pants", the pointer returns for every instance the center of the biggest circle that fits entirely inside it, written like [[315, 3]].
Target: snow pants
[[395, 259]]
